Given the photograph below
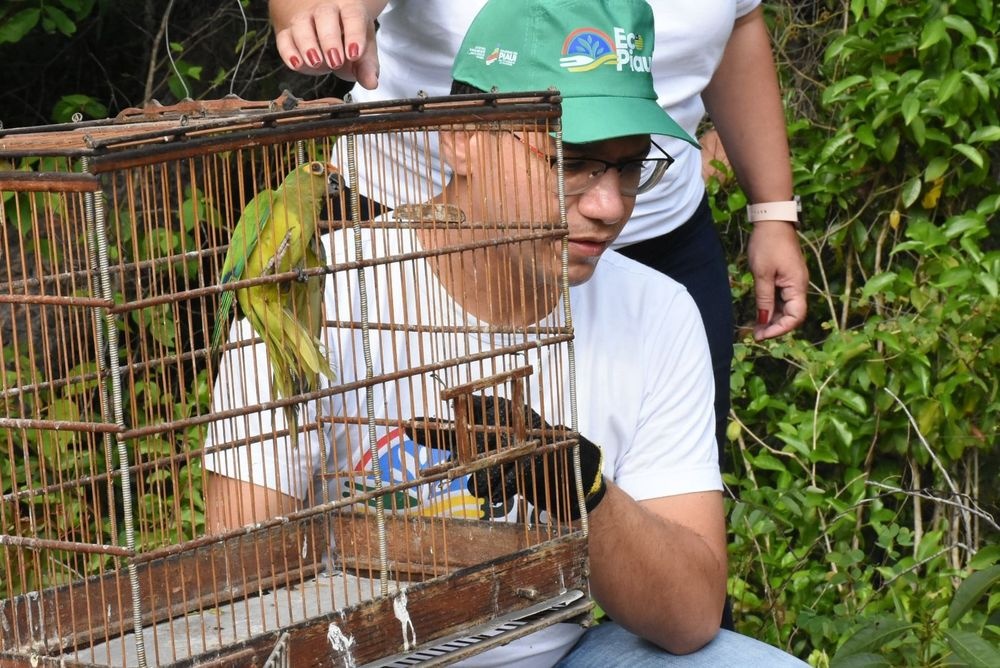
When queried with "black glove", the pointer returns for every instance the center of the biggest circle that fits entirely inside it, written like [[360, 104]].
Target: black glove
[[543, 479]]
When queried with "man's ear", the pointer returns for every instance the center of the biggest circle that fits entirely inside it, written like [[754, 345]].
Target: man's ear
[[456, 148]]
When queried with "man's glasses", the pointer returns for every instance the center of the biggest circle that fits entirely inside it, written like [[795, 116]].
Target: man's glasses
[[634, 176]]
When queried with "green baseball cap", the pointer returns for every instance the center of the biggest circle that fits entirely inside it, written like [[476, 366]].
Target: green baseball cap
[[597, 53]]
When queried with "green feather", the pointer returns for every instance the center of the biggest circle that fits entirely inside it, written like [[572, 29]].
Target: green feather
[[241, 244]]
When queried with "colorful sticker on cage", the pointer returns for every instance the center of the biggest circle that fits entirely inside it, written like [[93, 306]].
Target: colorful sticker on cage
[[400, 460]]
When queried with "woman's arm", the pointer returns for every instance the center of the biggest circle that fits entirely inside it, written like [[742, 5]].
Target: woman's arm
[[744, 103]]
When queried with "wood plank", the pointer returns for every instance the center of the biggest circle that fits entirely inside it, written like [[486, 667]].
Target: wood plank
[[61, 619], [92, 610], [437, 608]]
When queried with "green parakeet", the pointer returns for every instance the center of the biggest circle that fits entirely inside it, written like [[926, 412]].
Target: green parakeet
[[276, 233]]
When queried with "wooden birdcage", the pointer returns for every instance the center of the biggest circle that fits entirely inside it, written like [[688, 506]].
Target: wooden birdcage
[[115, 405]]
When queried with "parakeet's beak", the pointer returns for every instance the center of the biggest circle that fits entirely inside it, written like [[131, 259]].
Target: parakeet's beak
[[332, 180]]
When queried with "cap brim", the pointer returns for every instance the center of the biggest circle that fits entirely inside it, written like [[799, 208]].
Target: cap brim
[[590, 119]]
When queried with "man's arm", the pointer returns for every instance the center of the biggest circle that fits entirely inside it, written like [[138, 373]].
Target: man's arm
[[744, 103], [324, 36], [231, 503], [658, 567]]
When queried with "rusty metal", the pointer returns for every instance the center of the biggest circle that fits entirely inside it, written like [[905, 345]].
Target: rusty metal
[[85, 548], [116, 407]]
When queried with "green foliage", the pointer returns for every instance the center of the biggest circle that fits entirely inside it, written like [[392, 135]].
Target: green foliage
[[98, 58], [18, 17], [166, 486], [69, 106], [864, 447]]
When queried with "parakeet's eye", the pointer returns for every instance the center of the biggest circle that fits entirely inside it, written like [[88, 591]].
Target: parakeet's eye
[[317, 168]]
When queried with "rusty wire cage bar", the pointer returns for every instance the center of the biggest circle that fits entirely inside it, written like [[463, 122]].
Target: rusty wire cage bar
[[114, 405]]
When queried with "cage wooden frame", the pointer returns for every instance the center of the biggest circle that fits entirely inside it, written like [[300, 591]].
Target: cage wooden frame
[[496, 573]]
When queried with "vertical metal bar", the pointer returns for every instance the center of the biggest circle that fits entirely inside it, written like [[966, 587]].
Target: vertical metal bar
[[352, 167], [98, 235], [571, 348], [98, 318]]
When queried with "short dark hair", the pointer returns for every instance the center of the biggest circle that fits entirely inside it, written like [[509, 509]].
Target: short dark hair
[[462, 88]]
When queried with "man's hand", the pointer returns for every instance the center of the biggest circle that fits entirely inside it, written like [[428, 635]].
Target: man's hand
[[327, 36], [780, 278], [544, 480]]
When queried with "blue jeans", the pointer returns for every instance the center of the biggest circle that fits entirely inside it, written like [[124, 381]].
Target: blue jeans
[[608, 645]]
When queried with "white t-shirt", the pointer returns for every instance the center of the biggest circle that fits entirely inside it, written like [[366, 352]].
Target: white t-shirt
[[644, 390], [417, 42]]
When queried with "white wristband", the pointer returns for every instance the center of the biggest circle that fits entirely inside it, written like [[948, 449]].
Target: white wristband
[[784, 211]]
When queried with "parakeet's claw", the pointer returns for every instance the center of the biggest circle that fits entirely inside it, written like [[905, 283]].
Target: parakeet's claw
[[301, 275]]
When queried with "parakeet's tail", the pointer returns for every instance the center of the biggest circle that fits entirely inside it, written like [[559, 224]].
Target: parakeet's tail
[[297, 359], [221, 319]]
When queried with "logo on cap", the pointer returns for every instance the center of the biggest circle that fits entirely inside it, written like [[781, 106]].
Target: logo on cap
[[586, 49], [502, 56]]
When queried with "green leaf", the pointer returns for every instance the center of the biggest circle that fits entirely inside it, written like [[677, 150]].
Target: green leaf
[[935, 169], [876, 7], [911, 107], [959, 225], [982, 87], [911, 191], [865, 135], [973, 649], [767, 462], [954, 277], [17, 26], [987, 556], [949, 86], [62, 22], [832, 147], [878, 283], [857, 9], [851, 399], [834, 92], [989, 133], [990, 47], [989, 284], [933, 32], [843, 431], [971, 153], [889, 145], [872, 636], [962, 25], [862, 660], [986, 8], [969, 592], [71, 104]]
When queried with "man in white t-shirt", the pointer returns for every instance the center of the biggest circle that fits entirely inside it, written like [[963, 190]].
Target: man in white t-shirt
[[711, 55], [657, 545]]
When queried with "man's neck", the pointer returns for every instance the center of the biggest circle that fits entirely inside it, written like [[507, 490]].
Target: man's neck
[[498, 280]]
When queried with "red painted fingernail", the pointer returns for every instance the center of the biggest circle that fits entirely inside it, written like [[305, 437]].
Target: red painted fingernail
[[763, 316], [353, 50], [313, 57], [294, 62], [333, 57]]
